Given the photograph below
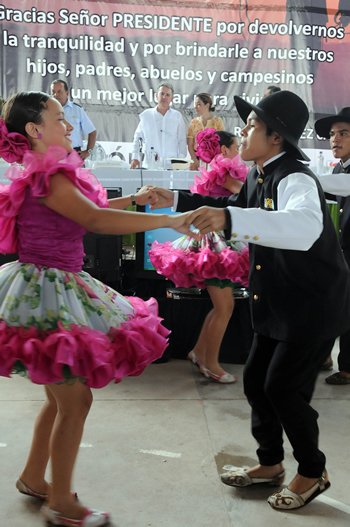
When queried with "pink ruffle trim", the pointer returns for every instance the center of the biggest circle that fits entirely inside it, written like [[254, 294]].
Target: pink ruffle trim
[[220, 167], [100, 358], [36, 174], [190, 269]]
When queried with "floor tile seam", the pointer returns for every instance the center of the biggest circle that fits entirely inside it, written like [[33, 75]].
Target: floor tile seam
[[225, 400], [22, 400], [197, 399], [315, 398], [229, 520], [173, 399]]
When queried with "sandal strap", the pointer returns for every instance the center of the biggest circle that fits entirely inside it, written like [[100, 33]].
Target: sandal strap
[[23, 489], [287, 499]]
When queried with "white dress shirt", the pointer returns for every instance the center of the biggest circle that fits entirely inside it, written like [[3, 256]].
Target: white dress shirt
[[338, 184], [165, 133], [296, 223]]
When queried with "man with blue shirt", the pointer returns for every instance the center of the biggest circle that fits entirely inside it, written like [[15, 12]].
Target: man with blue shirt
[[77, 117]]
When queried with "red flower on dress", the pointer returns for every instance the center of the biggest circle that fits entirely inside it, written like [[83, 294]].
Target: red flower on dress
[[208, 144], [13, 145]]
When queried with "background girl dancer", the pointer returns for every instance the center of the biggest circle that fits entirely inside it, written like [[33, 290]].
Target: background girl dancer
[[211, 263]]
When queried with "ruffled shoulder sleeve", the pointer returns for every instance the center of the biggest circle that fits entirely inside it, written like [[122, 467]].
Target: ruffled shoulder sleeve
[[235, 167], [35, 174], [216, 176]]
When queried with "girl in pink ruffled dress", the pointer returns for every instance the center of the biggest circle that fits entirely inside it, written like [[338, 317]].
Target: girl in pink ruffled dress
[[65, 329], [211, 263]]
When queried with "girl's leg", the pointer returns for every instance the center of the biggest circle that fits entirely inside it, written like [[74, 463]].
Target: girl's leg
[[200, 348], [33, 474], [215, 326], [73, 404]]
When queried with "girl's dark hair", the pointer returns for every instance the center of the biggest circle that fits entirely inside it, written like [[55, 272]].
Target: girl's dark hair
[[206, 99], [22, 108], [226, 138]]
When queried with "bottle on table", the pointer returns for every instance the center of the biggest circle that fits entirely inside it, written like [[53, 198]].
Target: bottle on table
[[153, 159], [320, 163], [100, 154]]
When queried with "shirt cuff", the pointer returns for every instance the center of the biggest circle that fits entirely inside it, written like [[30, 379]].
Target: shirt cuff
[[176, 200], [228, 230]]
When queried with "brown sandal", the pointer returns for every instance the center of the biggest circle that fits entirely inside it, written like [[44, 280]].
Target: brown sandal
[[337, 379]]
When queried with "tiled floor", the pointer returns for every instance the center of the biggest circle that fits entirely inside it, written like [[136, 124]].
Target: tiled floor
[[153, 447]]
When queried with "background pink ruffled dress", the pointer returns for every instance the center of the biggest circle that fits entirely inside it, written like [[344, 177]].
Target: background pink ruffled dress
[[56, 321], [213, 260]]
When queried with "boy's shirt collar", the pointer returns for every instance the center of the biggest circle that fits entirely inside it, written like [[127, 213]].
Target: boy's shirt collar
[[346, 164], [271, 160]]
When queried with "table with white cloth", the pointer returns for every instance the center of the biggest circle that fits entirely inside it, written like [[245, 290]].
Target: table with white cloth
[[131, 180]]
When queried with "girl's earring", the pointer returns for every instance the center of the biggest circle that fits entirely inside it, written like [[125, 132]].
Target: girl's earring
[[39, 135]]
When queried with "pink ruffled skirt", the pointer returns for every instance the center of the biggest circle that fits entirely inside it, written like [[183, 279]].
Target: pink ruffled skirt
[[57, 325], [188, 263]]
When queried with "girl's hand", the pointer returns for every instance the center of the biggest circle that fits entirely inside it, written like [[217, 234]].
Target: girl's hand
[[164, 198], [207, 219], [146, 195], [195, 164], [179, 223]]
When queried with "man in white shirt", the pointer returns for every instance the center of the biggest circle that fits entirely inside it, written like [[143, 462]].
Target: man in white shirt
[[77, 117], [162, 128]]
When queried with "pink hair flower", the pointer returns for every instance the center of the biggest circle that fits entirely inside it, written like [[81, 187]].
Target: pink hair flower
[[13, 145], [208, 144]]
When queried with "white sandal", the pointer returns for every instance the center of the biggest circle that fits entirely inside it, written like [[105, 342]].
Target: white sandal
[[23, 489], [286, 499], [238, 477], [91, 518]]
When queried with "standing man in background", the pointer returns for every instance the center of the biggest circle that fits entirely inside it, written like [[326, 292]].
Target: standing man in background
[[77, 117], [162, 128], [271, 89]]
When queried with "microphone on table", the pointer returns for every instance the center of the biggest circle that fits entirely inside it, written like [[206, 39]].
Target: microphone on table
[[141, 167]]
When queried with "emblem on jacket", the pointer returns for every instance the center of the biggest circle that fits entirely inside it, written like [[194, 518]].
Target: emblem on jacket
[[269, 204]]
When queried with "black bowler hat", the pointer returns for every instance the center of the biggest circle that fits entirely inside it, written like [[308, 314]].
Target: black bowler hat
[[323, 126], [283, 111]]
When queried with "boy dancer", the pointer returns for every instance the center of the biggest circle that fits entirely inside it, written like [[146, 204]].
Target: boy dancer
[[336, 128], [293, 250]]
